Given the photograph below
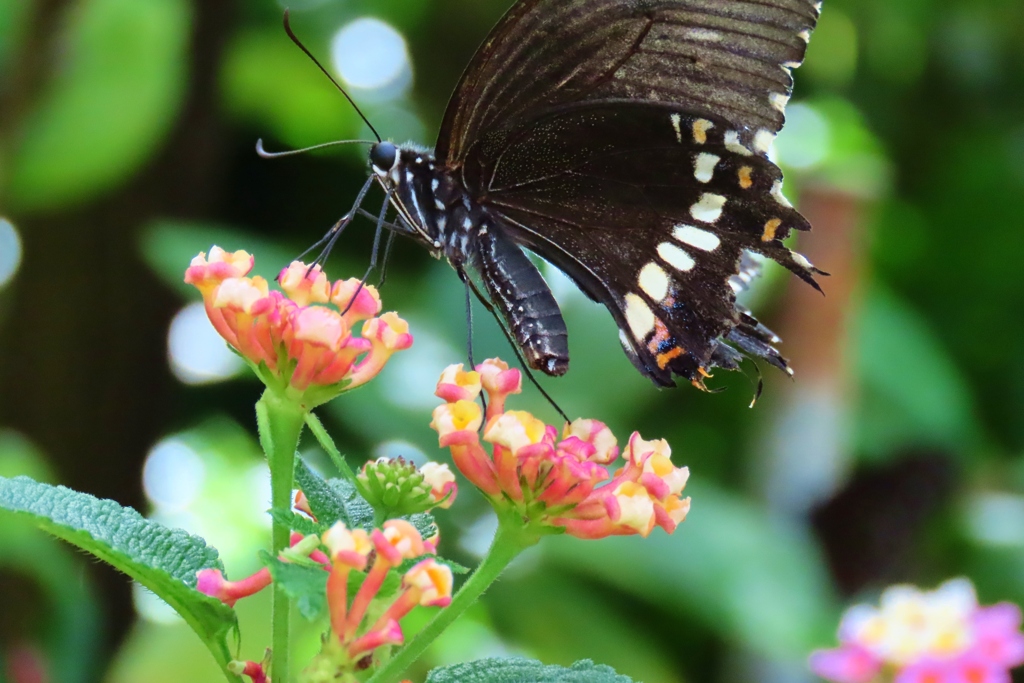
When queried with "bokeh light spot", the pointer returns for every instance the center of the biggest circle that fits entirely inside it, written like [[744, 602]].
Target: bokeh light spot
[[370, 54], [804, 142], [397, 448], [196, 352], [10, 251], [411, 376], [997, 519], [172, 476]]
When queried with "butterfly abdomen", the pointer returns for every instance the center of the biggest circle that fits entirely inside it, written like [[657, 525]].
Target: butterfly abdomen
[[524, 300]]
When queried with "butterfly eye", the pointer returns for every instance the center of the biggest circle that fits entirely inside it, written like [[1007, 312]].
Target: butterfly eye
[[383, 156]]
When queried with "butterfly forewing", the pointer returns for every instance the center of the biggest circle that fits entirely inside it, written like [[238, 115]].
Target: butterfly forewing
[[714, 57]]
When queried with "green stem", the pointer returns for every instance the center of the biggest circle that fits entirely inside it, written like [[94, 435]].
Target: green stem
[[317, 428], [280, 423], [510, 540]]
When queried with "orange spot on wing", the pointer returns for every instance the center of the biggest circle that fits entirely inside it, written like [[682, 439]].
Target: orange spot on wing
[[769, 229], [700, 130], [746, 182], [665, 358]]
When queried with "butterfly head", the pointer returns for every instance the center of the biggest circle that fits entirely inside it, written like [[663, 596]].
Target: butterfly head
[[383, 157]]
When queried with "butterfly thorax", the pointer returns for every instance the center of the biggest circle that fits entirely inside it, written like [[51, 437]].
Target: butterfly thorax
[[438, 211]]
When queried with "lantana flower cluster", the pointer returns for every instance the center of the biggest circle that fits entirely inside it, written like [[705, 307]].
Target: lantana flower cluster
[[299, 341], [554, 480], [356, 629], [914, 636], [399, 488]]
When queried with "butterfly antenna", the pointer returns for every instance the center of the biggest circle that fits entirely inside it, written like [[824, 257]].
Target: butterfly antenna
[[287, 153], [295, 39]]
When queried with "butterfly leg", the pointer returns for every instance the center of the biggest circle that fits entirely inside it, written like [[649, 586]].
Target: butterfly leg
[[332, 235], [469, 317], [470, 285], [373, 253]]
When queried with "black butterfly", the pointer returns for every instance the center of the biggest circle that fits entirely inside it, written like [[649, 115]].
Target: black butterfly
[[625, 142]]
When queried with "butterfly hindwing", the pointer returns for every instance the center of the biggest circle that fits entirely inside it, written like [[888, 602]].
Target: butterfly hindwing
[[651, 212]]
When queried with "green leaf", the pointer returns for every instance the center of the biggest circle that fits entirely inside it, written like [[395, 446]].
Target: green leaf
[[921, 397], [306, 585], [330, 503], [424, 524], [115, 95], [295, 521], [162, 559], [522, 670]]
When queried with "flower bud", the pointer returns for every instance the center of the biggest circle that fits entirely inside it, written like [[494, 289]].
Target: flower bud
[[396, 487]]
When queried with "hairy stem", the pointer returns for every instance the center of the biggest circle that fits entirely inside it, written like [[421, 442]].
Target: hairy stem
[[280, 423]]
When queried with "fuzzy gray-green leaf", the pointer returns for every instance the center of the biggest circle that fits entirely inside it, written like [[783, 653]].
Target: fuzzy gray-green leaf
[[162, 559], [522, 670]]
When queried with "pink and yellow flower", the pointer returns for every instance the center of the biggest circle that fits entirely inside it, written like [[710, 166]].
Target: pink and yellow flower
[[551, 480], [300, 342], [358, 627], [427, 583], [913, 636]]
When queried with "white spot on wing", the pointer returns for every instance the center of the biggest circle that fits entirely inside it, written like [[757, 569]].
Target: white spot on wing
[[805, 36], [779, 101], [763, 140], [695, 237], [703, 34], [639, 316], [704, 166], [801, 260], [676, 257], [676, 120], [732, 143], [654, 281], [709, 208], [779, 197]]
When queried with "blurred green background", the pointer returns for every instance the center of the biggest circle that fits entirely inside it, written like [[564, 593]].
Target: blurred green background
[[127, 131]]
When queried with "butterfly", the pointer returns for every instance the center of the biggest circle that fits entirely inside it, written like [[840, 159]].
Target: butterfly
[[625, 142]]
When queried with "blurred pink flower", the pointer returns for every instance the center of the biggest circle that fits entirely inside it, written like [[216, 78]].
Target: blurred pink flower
[[914, 636]]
